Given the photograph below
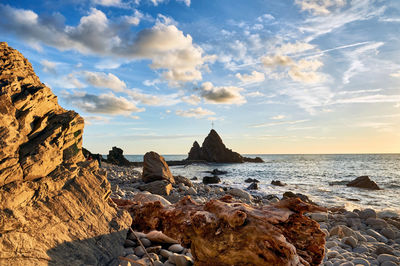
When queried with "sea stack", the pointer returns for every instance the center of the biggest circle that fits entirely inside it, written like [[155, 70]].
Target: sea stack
[[54, 204], [214, 150]]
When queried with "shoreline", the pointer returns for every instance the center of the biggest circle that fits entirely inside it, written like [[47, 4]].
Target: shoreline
[[359, 237]]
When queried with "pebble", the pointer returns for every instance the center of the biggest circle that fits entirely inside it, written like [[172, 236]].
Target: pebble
[[176, 248], [319, 216], [129, 243], [180, 260], [376, 223], [389, 233], [360, 261], [376, 235], [351, 241], [386, 257], [145, 242], [128, 251], [139, 251], [165, 253], [367, 213], [192, 191]]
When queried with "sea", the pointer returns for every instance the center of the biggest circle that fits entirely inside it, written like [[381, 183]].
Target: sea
[[321, 177]]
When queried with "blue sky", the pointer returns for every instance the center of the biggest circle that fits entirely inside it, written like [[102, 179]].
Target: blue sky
[[299, 76]]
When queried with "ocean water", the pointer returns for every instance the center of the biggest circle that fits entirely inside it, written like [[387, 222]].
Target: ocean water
[[321, 177]]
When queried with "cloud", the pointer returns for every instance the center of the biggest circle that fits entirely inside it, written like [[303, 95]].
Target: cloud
[[154, 100], [192, 99], [280, 123], [48, 66], [187, 2], [135, 18], [103, 80], [255, 94], [293, 48], [319, 7], [251, 78], [301, 71], [102, 104], [221, 95], [358, 91], [114, 3], [377, 98], [396, 74], [278, 117], [168, 48], [195, 112], [92, 120], [310, 98], [265, 17]]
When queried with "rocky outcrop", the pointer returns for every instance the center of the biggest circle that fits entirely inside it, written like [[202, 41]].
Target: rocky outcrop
[[155, 168], [227, 232], [214, 150], [54, 206], [363, 182], [115, 156], [211, 180]]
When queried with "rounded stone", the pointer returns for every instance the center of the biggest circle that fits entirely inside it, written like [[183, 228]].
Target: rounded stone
[[176, 248], [386, 257], [367, 213], [139, 251], [145, 242]]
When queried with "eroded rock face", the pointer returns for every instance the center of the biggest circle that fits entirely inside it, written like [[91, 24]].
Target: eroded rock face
[[226, 232], [155, 168], [54, 205]]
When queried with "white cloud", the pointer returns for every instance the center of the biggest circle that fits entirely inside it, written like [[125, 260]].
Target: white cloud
[[280, 123], [320, 7], [293, 48], [221, 95], [154, 100], [186, 2], [265, 17], [377, 98], [278, 117], [168, 48], [102, 104], [255, 94], [310, 98], [192, 99], [135, 18], [103, 80], [396, 74], [114, 3], [91, 120], [195, 112], [358, 91], [251, 78], [48, 66]]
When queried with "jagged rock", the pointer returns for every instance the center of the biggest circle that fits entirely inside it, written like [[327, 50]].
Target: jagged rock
[[87, 154], [155, 168], [115, 156], [253, 160], [277, 183], [253, 186], [217, 172], [211, 180], [289, 194], [54, 206], [213, 150], [227, 232], [363, 182], [159, 187]]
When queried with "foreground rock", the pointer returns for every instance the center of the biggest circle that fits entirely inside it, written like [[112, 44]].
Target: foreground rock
[[363, 182], [155, 168], [214, 150], [54, 206], [226, 232]]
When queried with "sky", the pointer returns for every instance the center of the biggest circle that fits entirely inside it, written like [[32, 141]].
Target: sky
[[288, 76]]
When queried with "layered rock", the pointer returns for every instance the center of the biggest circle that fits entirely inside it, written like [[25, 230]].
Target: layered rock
[[214, 150], [54, 206], [227, 232]]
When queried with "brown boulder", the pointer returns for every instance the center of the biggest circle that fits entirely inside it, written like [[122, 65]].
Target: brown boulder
[[54, 206], [159, 187], [155, 168], [363, 182]]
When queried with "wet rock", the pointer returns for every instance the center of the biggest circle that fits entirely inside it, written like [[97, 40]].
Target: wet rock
[[253, 186], [160, 187], [251, 180], [217, 172], [253, 160], [363, 182], [155, 168], [277, 183], [194, 178], [211, 180]]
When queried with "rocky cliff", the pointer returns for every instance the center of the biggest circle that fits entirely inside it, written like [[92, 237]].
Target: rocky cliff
[[54, 206], [214, 150]]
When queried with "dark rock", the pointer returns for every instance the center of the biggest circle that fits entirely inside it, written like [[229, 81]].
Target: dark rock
[[195, 152], [253, 160], [155, 168], [115, 156], [211, 179], [159, 187], [217, 172], [194, 178], [290, 194], [251, 180], [277, 183], [253, 186], [363, 182]]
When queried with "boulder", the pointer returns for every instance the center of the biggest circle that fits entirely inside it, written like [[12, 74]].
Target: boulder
[[253, 186], [251, 180], [155, 168], [217, 172], [363, 182], [240, 193], [253, 160], [213, 150], [211, 180], [55, 206], [289, 194], [159, 187], [183, 180], [143, 197], [115, 156], [277, 183]]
